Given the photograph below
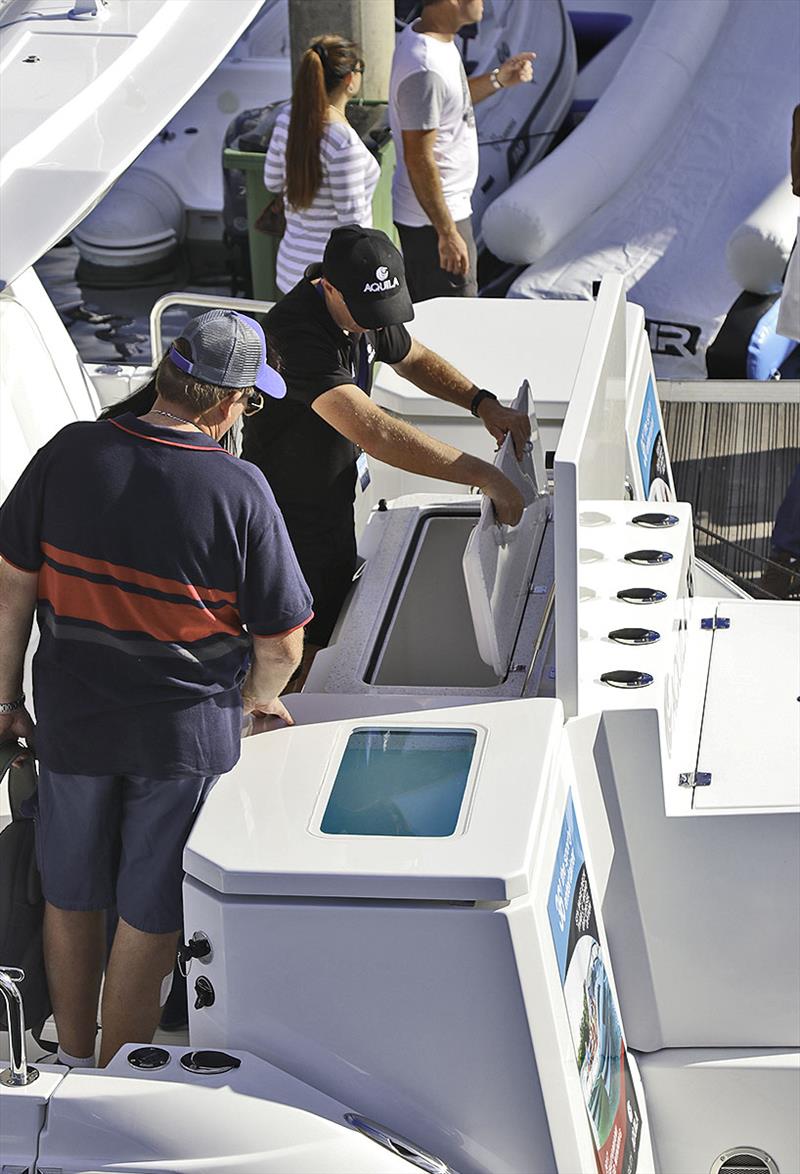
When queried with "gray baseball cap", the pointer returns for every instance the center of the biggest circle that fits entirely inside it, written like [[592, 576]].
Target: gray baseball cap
[[229, 350]]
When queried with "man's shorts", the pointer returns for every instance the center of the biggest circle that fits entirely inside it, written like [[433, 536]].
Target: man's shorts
[[105, 840], [424, 276]]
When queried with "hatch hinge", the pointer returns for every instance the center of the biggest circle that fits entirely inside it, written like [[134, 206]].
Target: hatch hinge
[[694, 778], [711, 623]]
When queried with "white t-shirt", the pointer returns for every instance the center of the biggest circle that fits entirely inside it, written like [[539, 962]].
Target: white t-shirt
[[428, 90], [350, 174]]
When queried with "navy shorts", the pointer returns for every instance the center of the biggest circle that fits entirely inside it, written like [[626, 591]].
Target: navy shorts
[[105, 840]]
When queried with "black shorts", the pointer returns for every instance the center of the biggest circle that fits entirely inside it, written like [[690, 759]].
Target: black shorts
[[328, 562], [426, 279]]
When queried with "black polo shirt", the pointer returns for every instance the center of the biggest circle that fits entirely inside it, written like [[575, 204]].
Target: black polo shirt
[[309, 465]]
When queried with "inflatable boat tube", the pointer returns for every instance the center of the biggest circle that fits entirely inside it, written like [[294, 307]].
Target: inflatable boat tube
[[758, 250], [601, 155], [517, 127]]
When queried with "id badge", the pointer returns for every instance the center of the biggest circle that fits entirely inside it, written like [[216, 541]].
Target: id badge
[[362, 471]]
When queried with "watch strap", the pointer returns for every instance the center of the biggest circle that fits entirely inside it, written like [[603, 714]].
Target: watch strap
[[478, 399]]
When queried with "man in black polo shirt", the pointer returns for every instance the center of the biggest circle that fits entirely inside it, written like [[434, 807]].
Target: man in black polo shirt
[[345, 315]]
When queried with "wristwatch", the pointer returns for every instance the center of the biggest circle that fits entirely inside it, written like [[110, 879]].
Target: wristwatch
[[478, 399], [12, 706], [494, 78]]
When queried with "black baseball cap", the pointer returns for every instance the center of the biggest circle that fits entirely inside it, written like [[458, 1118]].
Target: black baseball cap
[[368, 271]]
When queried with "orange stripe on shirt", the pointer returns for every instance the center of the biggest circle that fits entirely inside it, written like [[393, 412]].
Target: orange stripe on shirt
[[122, 611], [99, 566]]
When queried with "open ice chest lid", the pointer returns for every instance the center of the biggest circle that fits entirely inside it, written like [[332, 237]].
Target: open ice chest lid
[[439, 806], [499, 560]]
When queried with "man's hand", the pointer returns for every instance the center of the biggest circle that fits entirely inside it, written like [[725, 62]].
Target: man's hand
[[269, 715], [18, 724], [453, 252], [506, 499], [498, 420], [516, 69]]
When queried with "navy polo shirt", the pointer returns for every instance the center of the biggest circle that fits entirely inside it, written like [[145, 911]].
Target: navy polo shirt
[[158, 556]]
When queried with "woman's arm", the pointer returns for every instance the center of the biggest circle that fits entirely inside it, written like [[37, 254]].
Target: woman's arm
[[348, 171], [275, 161]]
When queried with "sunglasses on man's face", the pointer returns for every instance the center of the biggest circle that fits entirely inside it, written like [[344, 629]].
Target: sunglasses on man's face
[[253, 401]]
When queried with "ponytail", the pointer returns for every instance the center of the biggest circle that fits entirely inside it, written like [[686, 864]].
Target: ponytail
[[323, 66]]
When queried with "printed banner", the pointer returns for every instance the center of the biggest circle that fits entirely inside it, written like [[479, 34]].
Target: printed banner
[[605, 1077], [656, 477]]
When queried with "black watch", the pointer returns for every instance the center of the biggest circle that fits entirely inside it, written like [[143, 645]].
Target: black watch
[[478, 399]]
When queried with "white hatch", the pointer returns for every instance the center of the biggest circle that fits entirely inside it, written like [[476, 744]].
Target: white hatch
[[499, 560], [412, 806]]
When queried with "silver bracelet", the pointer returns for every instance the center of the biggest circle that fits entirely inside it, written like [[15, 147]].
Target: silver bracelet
[[13, 706], [494, 78]]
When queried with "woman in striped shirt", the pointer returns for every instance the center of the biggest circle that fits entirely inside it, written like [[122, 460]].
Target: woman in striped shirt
[[316, 159]]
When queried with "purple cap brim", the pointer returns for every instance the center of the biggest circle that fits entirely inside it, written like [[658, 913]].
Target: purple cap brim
[[267, 378]]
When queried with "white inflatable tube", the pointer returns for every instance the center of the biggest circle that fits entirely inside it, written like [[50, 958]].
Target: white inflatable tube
[[601, 155], [758, 250]]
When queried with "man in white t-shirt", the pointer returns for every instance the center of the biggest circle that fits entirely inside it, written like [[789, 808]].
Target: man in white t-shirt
[[433, 126]]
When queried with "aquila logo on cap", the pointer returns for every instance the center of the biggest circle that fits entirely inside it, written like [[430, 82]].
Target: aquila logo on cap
[[384, 281]]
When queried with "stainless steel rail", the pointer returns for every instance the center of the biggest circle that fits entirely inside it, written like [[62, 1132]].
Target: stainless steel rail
[[198, 301], [19, 1073]]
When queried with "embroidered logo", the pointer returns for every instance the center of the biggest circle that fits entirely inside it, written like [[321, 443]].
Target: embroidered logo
[[384, 281]]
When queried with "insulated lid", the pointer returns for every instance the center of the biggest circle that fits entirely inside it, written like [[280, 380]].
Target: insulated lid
[[499, 560], [434, 806]]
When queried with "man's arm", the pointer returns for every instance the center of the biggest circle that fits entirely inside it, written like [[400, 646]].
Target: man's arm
[[399, 444], [434, 375], [274, 660], [426, 182], [514, 70], [18, 591]]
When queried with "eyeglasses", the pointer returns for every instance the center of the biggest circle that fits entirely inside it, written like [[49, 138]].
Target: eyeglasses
[[254, 402]]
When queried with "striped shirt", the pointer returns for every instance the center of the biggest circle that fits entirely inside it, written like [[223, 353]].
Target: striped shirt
[[350, 174], [158, 556]]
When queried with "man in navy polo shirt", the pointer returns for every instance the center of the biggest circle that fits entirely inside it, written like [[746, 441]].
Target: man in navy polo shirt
[[168, 597]]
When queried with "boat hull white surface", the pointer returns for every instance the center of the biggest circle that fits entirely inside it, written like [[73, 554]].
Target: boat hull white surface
[[252, 1119], [72, 120]]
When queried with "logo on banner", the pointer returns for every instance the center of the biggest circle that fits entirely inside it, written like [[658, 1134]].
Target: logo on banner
[[672, 338], [594, 1023]]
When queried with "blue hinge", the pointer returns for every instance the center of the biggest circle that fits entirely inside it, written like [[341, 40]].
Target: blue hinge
[[694, 778], [711, 623]]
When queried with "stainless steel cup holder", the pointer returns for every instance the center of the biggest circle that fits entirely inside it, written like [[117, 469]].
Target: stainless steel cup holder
[[648, 558], [626, 679], [207, 1062]]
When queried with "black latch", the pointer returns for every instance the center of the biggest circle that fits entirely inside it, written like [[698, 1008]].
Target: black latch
[[204, 993]]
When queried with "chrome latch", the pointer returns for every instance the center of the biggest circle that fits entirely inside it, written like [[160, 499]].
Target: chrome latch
[[694, 778], [198, 947], [711, 623]]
